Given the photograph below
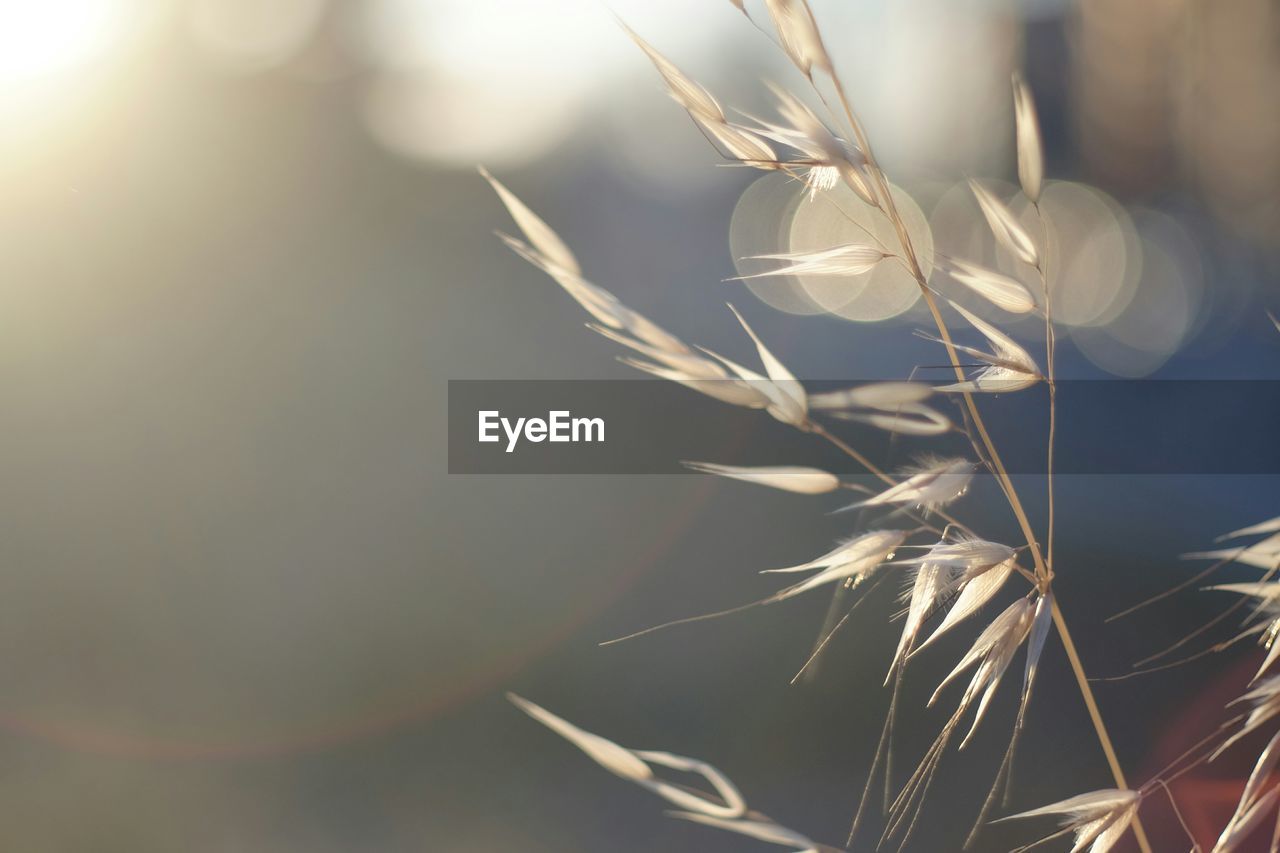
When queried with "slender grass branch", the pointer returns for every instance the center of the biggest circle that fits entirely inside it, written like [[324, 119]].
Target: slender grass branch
[[1051, 348], [1002, 475]]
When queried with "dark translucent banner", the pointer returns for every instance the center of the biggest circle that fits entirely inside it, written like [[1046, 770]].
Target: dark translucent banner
[[649, 426]]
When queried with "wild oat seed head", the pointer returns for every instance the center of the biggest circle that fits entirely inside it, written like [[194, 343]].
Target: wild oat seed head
[[932, 486], [798, 33], [1029, 145], [1010, 366], [634, 766], [977, 588], [992, 653], [789, 478], [683, 90], [1253, 806], [850, 259], [537, 232], [1098, 819], [1006, 228], [852, 559], [1000, 290]]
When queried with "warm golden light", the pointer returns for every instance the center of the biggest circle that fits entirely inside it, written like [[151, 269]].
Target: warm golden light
[[45, 37]]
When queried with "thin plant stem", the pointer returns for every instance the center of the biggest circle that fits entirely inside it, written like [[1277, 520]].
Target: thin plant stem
[[1195, 845], [1091, 704], [1050, 347], [852, 452], [1191, 581], [1015, 504], [944, 332]]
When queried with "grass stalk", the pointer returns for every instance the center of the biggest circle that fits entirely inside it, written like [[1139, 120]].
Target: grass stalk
[[1015, 504]]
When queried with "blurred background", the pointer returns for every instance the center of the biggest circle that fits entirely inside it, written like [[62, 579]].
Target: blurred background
[[246, 608]]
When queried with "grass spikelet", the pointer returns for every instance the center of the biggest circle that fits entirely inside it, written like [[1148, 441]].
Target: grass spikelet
[[684, 91], [1098, 819], [788, 478], [824, 158], [1263, 555], [850, 259], [895, 407], [1271, 525], [1008, 231], [978, 584], [1009, 366], [742, 143], [991, 653], [788, 402], [1030, 148], [634, 766], [852, 560], [1253, 805], [1265, 698], [1000, 290], [931, 584], [537, 232], [885, 396], [798, 33], [934, 484]]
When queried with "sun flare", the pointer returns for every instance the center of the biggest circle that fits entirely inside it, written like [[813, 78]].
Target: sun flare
[[49, 36]]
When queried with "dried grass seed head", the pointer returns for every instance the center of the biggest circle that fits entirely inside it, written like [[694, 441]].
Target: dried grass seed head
[[892, 406], [788, 478], [1006, 228], [885, 396], [669, 357], [682, 89], [991, 653], [850, 259], [787, 400], [1000, 290], [824, 158], [1266, 616], [799, 36], [634, 766], [930, 585], [1029, 144], [968, 555], [1097, 819], [1009, 366], [1262, 555], [854, 559], [976, 590], [1254, 805], [1265, 699], [933, 484], [538, 233], [1271, 525], [742, 143], [1243, 824]]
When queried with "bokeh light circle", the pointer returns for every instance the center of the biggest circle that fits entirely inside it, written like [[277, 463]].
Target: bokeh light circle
[[778, 214], [761, 225], [1161, 312], [40, 37]]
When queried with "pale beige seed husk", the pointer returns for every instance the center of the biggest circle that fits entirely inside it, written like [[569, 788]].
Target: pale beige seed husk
[[998, 289], [538, 233], [788, 478], [1006, 228], [1029, 144]]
